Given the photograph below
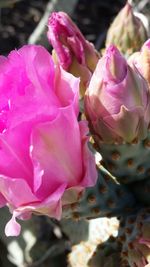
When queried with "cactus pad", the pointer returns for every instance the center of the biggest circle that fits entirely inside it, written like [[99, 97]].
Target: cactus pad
[[106, 198], [128, 162], [107, 254], [134, 235]]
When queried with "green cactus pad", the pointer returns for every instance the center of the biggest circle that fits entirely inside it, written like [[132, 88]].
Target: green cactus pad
[[134, 236], [106, 198], [107, 254], [128, 162], [127, 232]]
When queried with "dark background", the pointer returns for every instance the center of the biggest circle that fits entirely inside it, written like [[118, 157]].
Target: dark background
[[18, 20]]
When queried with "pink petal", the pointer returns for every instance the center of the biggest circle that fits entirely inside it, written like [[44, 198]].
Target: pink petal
[[18, 194], [133, 120], [50, 206], [2, 201], [89, 165], [60, 147], [16, 191], [66, 39], [14, 154], [12, 228], [57, 148], [67, 88], [27, 86]]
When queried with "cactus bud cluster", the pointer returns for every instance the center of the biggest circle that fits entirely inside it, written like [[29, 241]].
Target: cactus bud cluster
[[116, 94], [74, 53]]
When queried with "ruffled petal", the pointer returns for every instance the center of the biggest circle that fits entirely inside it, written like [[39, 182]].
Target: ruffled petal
[[16, 191], [14, 153], [12, 228], [67, 89], [90, 174], [51, 206], [27, 86], [57, 148]]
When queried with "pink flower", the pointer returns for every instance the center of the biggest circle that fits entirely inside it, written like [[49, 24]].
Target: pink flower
[[44, 158], [141, 60], [74, 53], [117, 100]]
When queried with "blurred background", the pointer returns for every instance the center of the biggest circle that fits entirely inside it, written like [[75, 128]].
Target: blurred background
[[23, 21], [20, 18]]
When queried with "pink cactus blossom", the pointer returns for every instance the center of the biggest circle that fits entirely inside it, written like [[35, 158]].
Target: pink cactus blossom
[[117, 100], [141, 60], [44, 158], [74, 53]]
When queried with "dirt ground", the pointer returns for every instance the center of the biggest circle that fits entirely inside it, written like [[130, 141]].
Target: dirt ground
[[17, 21]]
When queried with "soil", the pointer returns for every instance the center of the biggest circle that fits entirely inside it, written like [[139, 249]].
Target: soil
[[17, 21], [94, 17]]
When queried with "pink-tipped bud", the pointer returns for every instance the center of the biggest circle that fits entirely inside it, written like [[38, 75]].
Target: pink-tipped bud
[[127, 31], [142, 61], [73, 52], [117, 100]]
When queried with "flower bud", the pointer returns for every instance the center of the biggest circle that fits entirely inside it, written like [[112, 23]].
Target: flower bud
[[74, 53], [127, 31], [142, 61], [138, 252], [117, 100]]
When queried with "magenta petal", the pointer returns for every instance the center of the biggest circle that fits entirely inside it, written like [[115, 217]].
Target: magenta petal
[[2, 201], [60, 147], [38, 174], [89, 165], [28, 204], [63, 32], [16, 191], [89, 168], [51, 206], [57, 148], [27, 86], [43, 147], [14, 154], [67, 88], [32, 89], [12, 228]]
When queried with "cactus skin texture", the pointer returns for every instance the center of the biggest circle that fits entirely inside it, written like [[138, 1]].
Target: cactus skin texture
[[129, 162], [134, 235], [107, 254], [106, 198]]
